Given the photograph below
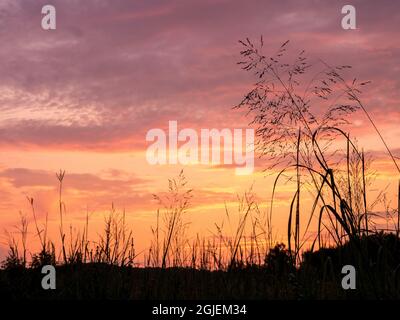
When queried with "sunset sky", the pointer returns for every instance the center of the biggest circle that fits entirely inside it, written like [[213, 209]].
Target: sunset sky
[[82, 97]]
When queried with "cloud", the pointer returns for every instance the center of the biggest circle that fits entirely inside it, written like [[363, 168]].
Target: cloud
[[23, 177], [113, 69]]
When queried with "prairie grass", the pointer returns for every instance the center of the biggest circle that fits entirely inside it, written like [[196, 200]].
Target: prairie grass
[[240, 257]]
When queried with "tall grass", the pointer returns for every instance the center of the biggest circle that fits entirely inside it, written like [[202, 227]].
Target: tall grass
[[246, 243], [287, 102], [296, 140]]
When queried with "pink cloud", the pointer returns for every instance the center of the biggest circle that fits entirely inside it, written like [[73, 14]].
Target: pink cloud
[[111, 72]]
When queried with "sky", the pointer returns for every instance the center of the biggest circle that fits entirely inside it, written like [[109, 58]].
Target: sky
[[81, 98]]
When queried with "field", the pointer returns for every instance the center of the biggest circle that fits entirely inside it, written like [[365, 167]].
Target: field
[[246, 263], [318, 277]]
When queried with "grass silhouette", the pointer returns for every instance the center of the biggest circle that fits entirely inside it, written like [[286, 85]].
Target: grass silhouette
[[245, 263]]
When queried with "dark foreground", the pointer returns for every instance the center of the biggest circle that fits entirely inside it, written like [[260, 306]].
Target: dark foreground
[[376, 260]]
